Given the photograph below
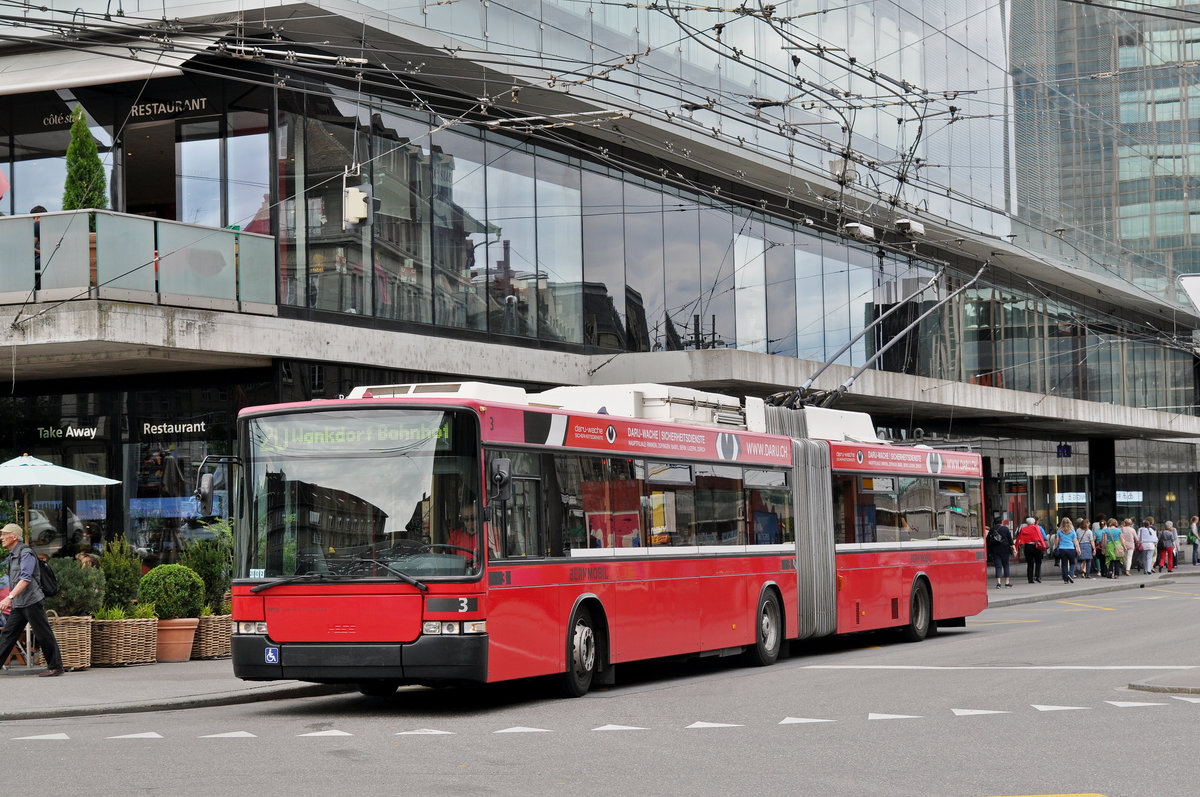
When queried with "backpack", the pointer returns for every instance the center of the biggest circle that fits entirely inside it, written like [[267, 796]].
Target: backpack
[[996, 537], [46, 577]]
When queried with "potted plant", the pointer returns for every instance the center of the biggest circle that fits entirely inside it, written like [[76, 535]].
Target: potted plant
[[122, 570], [80, 594], [85, 187], [178, 596], [122, 634], [212, 559]]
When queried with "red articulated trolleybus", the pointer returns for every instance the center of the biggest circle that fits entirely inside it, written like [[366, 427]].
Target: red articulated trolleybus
[[434, 533]]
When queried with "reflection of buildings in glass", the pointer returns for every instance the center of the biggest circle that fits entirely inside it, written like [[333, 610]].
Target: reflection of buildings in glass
[[635, 321], [602, 324], [320, 521], [1103, 140]]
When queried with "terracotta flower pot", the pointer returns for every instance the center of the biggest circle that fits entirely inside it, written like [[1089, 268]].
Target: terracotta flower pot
[[175, 638]]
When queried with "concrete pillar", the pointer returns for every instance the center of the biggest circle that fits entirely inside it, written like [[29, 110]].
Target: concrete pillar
[[1102, 474]]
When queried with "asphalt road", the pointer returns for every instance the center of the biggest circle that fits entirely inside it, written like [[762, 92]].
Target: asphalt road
[[1027, 700]]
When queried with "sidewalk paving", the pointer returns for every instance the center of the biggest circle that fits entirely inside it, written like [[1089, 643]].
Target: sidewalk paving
[[137, 688], [195, 684], [1052, 588]]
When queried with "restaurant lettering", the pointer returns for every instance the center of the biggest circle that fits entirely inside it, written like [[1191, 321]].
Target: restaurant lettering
[[169, 107], [173, 428], [62, 432]]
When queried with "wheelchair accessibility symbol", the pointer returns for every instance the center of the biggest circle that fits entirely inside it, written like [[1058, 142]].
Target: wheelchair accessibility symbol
[[272, 655]]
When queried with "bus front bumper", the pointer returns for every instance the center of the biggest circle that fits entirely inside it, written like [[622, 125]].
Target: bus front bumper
[[428, 659]]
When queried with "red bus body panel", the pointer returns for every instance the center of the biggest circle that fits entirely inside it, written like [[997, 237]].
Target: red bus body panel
[[653, 607], [874, 587]]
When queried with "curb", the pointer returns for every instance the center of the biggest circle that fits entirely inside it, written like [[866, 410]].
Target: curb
[[1143, 686], [1053, 596], [1117, 585], [179, 703]]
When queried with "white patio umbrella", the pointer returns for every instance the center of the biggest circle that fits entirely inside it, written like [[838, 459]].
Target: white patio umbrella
[[26, 472]]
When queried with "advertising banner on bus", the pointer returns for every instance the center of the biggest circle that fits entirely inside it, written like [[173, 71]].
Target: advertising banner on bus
[[896, 459]]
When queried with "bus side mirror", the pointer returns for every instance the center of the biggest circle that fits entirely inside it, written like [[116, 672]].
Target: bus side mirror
[[501, 478], [204, 493]]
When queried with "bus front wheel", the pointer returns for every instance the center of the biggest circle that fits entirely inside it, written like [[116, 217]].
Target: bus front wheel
[[920, 613], [581, 654]]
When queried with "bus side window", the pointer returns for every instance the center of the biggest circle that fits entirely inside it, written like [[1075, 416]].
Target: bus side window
[[769, 503], [845, 494]]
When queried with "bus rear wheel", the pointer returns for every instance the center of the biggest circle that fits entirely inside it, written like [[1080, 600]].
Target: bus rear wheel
[[768, 634], [581, 654], [920, 613]]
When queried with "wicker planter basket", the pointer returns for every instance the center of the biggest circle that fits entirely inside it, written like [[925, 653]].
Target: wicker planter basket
[[117, 642], [213, 637], [74, 637]]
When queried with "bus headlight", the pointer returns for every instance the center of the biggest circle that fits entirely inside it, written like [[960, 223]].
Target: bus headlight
[[250, 627], [444, 628]]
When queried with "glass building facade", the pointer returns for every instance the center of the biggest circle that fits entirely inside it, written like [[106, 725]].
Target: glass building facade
[[597, 179]]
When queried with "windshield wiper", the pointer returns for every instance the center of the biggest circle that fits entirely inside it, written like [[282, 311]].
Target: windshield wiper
[[400, 574], [290, 580]]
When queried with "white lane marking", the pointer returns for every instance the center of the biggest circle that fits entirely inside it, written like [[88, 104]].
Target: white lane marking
[[1089, 667], [522, 729], [893, 717], [326, 733], [619, 728], [1187, 699], [1062, 708], [425, 732], [1127, 704], [714, 725], [800, 720], [971, 712], [147, 735], [47, 736], [231, 735]]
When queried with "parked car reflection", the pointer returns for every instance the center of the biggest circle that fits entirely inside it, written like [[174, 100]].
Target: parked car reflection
[[46, 537]]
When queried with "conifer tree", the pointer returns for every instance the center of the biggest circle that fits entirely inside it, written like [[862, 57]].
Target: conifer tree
[[86, 185]]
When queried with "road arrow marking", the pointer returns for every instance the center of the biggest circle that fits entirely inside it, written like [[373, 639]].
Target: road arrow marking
[[425, 732], [1062, 708], [893, 717], [714, 725], [520, 729], [149, 735], [619, 728], [799, 720], [231, 735], [48, 736], [971, 712], [1123, 704], [1188, 699], [327, 733]]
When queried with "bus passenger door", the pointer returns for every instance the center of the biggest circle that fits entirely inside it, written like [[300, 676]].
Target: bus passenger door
[[519, 618], [522, 530]]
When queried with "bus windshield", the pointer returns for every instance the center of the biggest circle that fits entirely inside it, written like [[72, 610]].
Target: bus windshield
[[379, 493]]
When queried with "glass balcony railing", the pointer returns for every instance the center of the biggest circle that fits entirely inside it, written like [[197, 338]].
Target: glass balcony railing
[[56, 257]]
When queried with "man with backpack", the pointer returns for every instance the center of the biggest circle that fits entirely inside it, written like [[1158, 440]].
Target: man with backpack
[[26, 600]]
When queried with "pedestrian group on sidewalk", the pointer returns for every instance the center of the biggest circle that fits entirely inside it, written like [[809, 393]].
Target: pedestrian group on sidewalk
[[1104, 549]]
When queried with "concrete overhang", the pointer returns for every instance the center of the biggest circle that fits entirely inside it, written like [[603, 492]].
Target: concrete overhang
[[94, 338], [98, 338], [967, 409]]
